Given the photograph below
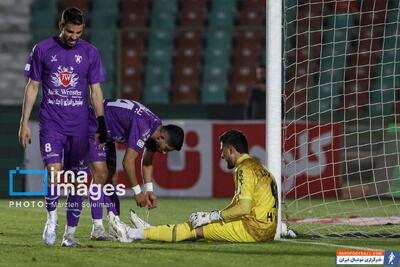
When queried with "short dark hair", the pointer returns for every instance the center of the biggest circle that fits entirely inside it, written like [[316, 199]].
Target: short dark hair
[[72, 15], [236, 139], [175, 136]]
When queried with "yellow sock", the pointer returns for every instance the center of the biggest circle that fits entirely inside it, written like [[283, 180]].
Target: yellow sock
[[170, 232]]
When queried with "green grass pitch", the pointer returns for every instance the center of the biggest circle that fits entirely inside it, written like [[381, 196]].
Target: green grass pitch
[[21, 242]]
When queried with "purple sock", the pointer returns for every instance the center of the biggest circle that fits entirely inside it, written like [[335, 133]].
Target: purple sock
[[51, 199], [96, 201], [112, 202], [74, 208]]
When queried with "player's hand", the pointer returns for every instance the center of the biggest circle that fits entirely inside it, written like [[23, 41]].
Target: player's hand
[[96, 140], [24, 135], [201, 218], [151, 200], [101, 133], [141, 200]]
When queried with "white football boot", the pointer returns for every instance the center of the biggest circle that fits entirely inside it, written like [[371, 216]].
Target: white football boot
[[69, 241], [99, 234], [50, 233], [119, 228], [137, 221]]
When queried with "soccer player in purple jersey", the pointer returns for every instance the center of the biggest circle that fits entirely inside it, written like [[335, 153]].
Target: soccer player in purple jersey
[[131, 123], [65, 65]]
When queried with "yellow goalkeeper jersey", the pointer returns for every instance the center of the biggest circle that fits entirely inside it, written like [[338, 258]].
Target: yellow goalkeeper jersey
[[254, 182]]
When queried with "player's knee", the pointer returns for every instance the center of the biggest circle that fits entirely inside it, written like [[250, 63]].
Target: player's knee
[[101, 177], [53, 170], [112, 177], [100, 173]]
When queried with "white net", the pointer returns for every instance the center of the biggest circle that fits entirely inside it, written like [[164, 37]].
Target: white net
[[341, 135]]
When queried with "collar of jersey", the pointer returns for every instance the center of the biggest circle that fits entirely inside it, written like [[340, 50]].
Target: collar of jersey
[[242, 158]]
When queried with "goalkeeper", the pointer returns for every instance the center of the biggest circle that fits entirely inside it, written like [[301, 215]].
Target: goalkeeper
[[251, 216]]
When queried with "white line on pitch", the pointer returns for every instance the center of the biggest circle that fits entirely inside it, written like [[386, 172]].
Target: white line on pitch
[[326, 244]]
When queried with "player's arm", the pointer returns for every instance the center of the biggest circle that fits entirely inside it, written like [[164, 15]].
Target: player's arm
[[130, 171], [31, 91], [147, 174], [241, 208], [245, 189], [96, 95]]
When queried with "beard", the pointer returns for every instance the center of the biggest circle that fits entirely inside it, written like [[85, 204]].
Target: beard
[[229, 164], [152, 145]]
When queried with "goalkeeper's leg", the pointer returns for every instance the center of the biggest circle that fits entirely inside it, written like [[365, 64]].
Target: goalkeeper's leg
[[231, 231], [170, 232]]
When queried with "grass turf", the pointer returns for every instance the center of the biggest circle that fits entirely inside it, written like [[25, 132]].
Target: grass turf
[[21, 242]]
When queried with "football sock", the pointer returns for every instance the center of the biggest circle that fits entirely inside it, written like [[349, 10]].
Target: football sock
[[51, 204], [98, 223], [170, 232], [135, 233], [70, 230], [112, 202], [74, 208], [96, 198]]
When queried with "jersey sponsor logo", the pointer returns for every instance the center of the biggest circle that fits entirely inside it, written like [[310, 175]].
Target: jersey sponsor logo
[[140, 143], [27, 67], [65, 77], [54, 58], [78, 59]]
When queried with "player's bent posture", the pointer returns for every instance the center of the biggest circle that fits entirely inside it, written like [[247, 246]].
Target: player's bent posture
[[131, 123], [251, 216], [65, 65]]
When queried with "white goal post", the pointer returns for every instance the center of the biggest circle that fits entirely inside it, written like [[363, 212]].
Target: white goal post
[[274, 92]]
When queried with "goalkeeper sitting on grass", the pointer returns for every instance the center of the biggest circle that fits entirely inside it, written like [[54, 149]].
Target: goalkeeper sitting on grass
[[251, 216]]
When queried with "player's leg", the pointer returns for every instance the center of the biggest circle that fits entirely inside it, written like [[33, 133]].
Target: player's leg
[[112, 201], [75, 157], [235, 231], [168, 232], [51, 146], [97, 202], [231, 231], [99, 172]]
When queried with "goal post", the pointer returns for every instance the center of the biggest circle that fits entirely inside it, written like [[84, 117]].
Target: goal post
[[340, 156], [273, 95]]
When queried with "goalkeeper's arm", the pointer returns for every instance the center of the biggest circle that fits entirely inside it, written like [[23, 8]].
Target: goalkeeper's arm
[[241, 208]]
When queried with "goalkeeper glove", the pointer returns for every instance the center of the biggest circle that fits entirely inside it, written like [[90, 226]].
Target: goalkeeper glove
[[101, 129], [198, 219]]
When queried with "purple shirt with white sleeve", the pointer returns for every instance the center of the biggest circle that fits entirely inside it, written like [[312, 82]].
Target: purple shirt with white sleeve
[[65, 73]]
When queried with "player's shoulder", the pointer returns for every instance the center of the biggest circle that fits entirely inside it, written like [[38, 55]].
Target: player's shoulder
[[254, 165], [87, 46], [45, 44], [250, 162]]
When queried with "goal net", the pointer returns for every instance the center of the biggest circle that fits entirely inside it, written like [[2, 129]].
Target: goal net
[[341, 130]]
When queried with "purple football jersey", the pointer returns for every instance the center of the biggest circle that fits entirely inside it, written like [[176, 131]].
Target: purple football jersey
[[128, 122], [65, 73]]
